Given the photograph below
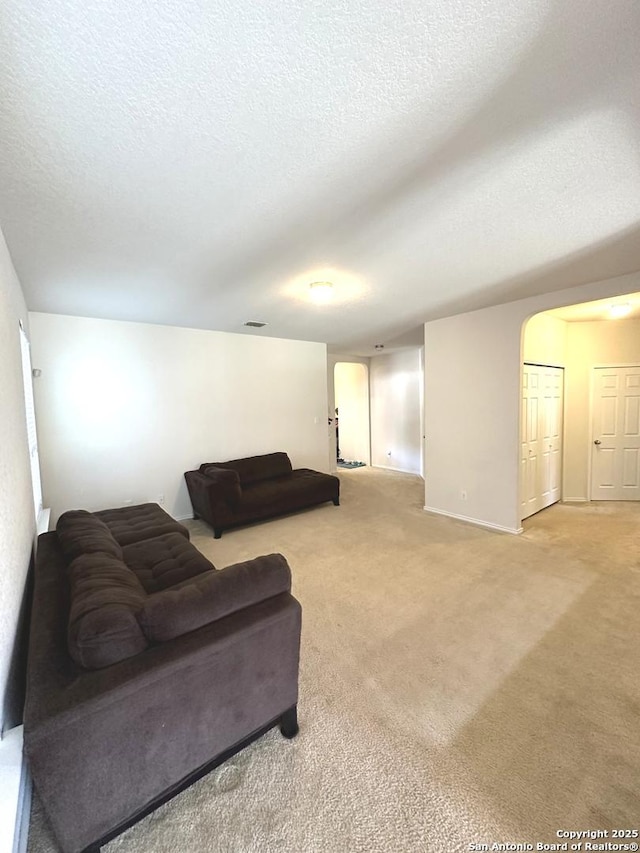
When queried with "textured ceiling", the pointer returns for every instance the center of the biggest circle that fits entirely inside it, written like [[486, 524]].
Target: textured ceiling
[[198, 162]]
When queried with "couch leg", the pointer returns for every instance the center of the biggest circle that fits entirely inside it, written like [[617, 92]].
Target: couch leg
[[289, 723], [336, 501], [217, 534]]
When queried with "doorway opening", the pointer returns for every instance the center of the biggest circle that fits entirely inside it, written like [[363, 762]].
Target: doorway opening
[[351, 419], [597, 410]]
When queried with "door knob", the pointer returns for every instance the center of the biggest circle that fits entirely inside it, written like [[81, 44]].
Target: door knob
[[597, 441]]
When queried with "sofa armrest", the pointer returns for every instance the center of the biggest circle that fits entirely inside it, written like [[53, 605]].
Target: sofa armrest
[[213, 595], [217, 484], [227, 483]]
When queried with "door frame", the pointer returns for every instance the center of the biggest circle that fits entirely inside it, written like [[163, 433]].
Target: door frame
[[367, 386], [592, 393]]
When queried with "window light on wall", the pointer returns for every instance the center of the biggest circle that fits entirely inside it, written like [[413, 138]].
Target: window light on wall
[[30, 414]]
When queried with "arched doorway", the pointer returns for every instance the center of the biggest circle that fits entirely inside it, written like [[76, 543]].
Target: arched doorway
[[594, 423], [351, 389]]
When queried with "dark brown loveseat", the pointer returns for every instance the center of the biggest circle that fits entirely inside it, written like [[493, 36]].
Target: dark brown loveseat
[[147, 667], [227, 494]]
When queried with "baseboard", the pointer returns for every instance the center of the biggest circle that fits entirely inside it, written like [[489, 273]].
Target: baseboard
[[399, 470], [15, 793], [575, 501], [476, 521]]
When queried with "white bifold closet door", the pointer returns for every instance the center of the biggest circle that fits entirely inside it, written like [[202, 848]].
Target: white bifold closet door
[[541, 457]]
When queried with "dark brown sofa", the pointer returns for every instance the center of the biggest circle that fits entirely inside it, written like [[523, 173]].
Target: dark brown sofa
[[227, 494], [147, 667]]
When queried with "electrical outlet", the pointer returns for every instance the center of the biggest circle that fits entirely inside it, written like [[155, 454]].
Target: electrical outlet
[[463, 494]]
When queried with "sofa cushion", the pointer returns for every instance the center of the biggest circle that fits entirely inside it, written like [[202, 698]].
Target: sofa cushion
[[143, 521], [164, 561], [281, 494], [253, 469], [105, 596], [210, 596], [80, 532]]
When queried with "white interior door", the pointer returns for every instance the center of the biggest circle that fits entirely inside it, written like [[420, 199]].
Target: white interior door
[[615, 451], [541, 457]]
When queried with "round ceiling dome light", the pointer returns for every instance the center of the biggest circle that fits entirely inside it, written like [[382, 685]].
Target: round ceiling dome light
[[321, 292]]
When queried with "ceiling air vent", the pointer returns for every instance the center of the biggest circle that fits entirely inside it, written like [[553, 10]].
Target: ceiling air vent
[[254, 324]]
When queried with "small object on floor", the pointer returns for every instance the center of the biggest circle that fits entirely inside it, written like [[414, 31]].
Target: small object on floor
[[343, 464]]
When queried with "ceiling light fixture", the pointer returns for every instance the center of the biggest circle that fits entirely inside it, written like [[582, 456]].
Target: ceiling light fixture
[[321, 291], [619, 310]]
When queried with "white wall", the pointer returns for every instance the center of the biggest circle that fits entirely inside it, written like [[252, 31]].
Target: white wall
[[351, 389], [472, 404], [125, 408], [605, 342], [396, 410], [17, 521]]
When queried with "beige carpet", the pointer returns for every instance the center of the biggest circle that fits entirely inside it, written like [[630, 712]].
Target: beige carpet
[[458, 686]]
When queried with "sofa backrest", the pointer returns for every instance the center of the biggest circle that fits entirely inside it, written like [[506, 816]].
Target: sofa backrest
[[105, 596], [80, 532], [254, 469]]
